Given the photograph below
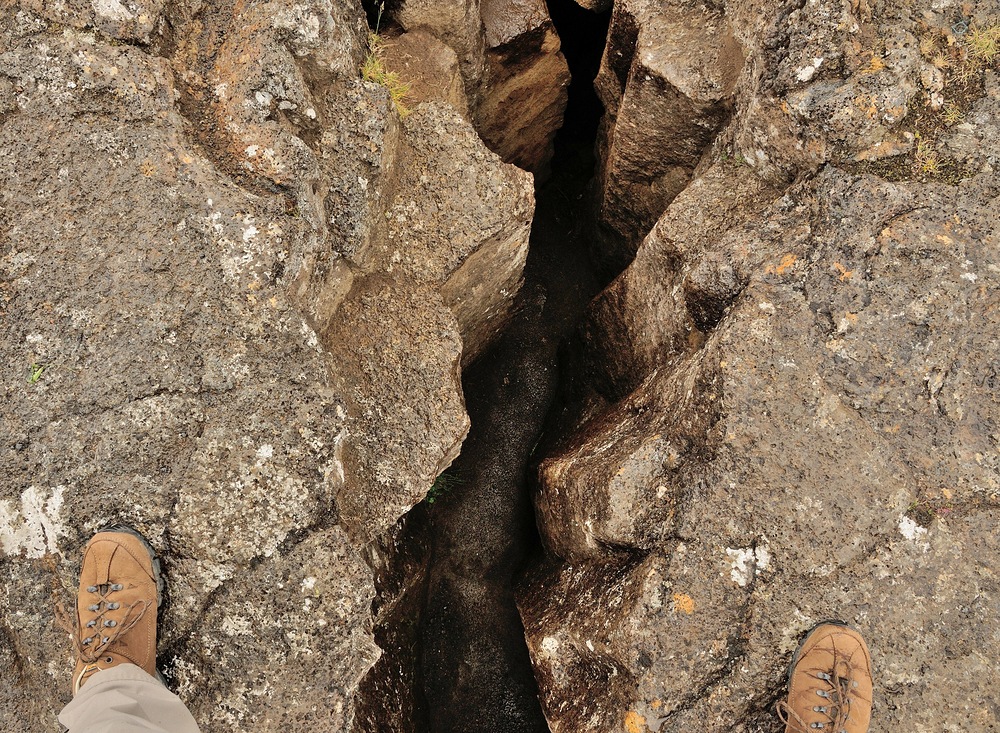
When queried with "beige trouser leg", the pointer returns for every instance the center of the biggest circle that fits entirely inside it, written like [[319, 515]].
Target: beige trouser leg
[[124, 699]]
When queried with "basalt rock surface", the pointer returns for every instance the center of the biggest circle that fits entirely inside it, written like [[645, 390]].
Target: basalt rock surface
[[785, 88], [217, 333], [803, 427], [666, 82], [788, 411], [523, 93]]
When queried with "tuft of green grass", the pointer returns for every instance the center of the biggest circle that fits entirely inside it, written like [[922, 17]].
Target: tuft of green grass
[[374, 69], [952, 114], [35, 373], [926, 160], [984, 43], [442, 486]]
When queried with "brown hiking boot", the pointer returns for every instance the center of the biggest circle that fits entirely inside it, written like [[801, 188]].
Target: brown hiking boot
[[116, 607], [829, 683]]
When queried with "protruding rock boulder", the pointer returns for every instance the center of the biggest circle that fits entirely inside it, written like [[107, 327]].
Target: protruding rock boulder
[[460, 220], [457, 23], [523, 93], [515, 76], [429, 69], [234, 292], [666, 81]]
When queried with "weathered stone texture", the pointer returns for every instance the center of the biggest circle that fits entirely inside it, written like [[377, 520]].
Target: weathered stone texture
[[429, 68], [514, 74], [460, 219], [786, 89], [215, 333], [523, 94], [666, 81], [824, 446]]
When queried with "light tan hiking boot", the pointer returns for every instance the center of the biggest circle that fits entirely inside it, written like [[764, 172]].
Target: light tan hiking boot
[[116, 607], [829, 683]]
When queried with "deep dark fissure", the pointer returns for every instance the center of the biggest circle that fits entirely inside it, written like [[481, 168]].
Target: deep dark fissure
[[455, 655]]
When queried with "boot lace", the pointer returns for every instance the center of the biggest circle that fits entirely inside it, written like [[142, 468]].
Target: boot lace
[[834, 704], [107, 621]]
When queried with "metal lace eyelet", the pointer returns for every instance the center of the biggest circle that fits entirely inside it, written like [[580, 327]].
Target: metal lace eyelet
[[116, 586], [91, 588], [110, 624], [94, 607]]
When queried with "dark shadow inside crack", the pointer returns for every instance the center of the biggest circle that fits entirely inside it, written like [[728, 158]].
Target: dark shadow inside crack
[[455, 657]]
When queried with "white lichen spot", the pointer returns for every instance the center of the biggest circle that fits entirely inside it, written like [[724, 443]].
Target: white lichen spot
[[549, 645], [250, 233], [265, 452], [236, 626], [747, 562], [913, 531], [970, 276], [807, 72], [36, 526], [252, 150], [111, 9], [767, 307], [311, 339], [308, 584]]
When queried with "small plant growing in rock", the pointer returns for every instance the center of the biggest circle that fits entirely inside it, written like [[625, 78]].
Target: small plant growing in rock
[[952, 114], [374, 69], [35, 373], [926, 160], [984, 43], [443, 485]]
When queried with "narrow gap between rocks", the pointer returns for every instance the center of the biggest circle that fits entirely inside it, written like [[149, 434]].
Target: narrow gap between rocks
[[455, 657]]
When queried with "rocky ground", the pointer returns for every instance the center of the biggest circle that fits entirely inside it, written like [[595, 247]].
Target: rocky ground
[[239, 285]]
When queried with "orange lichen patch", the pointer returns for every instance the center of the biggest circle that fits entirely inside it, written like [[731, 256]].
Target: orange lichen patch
[[875, 65], [893, 429], [946, 493], [656, 704], [635, 723], [147, 169], [786, 262], [683, 603], [845, 274]]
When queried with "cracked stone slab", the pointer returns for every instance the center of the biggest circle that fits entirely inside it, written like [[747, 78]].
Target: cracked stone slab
[[848, 472]]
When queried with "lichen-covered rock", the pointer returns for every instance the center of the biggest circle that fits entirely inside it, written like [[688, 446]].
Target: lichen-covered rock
[[209, 338], [460, 219], [893, 89], [824, 446]]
